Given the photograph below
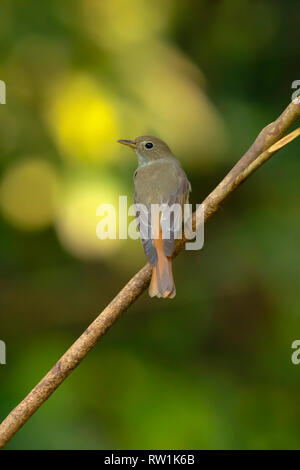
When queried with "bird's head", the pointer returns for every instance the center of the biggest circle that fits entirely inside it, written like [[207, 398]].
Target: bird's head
[[148, 148]]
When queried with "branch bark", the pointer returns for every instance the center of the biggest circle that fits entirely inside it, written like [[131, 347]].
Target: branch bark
[[267, 143]]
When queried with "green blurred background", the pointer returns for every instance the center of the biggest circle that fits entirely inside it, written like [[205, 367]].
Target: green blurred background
[[212, 368]]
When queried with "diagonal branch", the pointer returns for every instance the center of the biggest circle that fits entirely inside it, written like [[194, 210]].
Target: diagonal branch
[[266, 144]]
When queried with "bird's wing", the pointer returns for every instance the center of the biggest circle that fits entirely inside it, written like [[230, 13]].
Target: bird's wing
[[180, 196], [143, 216], [166, 185]]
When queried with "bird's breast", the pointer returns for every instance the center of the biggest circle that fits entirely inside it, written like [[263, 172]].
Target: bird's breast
[[156, 182]]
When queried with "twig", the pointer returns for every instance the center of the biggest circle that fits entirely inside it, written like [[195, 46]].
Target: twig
[[266, 144]]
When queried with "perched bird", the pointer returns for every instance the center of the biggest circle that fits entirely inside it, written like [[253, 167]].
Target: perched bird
[[159, 179]]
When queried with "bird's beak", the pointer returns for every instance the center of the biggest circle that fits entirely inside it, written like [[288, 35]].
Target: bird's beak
[[129, 143]]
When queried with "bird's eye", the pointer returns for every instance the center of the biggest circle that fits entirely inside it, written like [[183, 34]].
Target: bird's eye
[[149, 145]]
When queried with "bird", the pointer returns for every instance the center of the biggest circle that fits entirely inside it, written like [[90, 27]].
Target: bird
[[159, 179]]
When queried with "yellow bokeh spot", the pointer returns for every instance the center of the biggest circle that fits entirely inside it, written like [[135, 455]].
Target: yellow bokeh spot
[[175, 106], [29, 194], [77, 220], [83, 120]]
